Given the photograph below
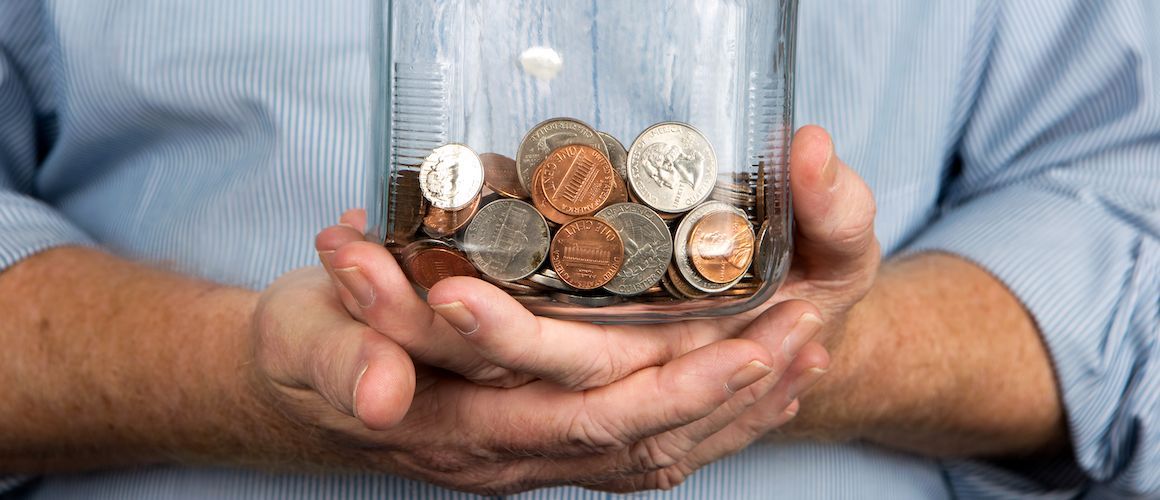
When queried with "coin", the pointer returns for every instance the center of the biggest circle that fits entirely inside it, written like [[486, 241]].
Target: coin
[[451, 176], [441, 223], [619, 193], [550, 136], [587, 253], [551, 281], [507, 240], [499, 174], [577, 180], [672, 167], [540, 200], [587, 300], [681, 242], [427, 263], [617, 154], [721, 246], [406, 208], [679, 287], [648, 247]]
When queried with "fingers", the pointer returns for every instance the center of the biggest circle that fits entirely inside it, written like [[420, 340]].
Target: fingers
[[355, 219], [833, 208], [385, 300], [644, 404], [368, 377], [326, 243], [574, 354]]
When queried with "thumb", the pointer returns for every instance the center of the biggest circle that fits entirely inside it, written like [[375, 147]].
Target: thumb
[[366, 376], [833, 208]]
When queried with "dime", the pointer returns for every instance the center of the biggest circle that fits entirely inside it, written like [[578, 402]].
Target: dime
[[451, 177], [648, 247], [681, 242], [721, 246], [587, 253], [499, 174], [577, 180], [441, 223], [427, 263], [507, 240], [549, 279], [550, 136], [672, 167], [406, 208], [587, 300], [616, 154], [540, 200]]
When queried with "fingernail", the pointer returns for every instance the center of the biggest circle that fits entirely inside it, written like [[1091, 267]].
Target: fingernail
[[325, 256], [747, 376], [792, 409], [805, 382], [830, 169], [358, 284], [357, 383], [459, 316], [347, 224], [804, 330]]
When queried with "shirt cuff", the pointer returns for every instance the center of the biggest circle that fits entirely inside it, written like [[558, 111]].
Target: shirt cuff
[[1085, 271], [28, 226]]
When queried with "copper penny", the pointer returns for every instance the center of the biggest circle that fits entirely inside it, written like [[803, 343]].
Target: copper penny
[[441, 223], [577, 179], [405, 208], [721, 246], [500, 174], [619, 193], [433, 264], [540, 201], [587, 253]]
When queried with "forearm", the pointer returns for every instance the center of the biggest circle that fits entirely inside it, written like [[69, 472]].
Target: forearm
[[940, 359], [107, 363]]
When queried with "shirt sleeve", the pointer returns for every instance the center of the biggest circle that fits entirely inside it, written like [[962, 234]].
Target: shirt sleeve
[[27, 225], [1058, 196]]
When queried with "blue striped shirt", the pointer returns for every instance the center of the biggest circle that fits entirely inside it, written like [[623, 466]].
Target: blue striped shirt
[[219, 135]]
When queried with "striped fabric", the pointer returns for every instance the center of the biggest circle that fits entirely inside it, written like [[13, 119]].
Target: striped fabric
[[218, 136]]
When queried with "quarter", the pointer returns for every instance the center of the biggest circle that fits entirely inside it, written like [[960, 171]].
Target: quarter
[[672, 167], [648, 247]]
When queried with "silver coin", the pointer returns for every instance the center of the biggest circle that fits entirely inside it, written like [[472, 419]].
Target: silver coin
[[617, 154], [550, 136], [451, 176], [553, 282], [507, 240], [587, 300], [672, 167], [648, 247], [681, 250]]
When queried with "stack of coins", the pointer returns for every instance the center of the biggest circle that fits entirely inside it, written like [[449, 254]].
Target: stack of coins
[[578, 218]]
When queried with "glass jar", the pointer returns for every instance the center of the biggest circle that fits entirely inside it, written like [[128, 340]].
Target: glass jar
[[600, 160]]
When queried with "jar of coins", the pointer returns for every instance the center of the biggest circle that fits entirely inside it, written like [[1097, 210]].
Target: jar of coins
[[600, 160]]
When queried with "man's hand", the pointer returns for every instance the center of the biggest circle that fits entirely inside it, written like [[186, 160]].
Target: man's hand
[[347, 389]]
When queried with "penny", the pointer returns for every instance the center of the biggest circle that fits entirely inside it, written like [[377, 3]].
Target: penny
[[648, 247], [679, 287], [550, 136], [540, 201], [451, 177], [441, 223], [500, 174], [619, 193], [721, 246], [508, 240], [672, 167], [587, 253], [617, 154], [577, 180], [434, 263], [406, 207], [681, 242]]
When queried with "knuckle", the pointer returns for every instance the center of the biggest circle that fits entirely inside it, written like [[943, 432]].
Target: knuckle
[[586, 433], [657, 453], [669, 477]]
